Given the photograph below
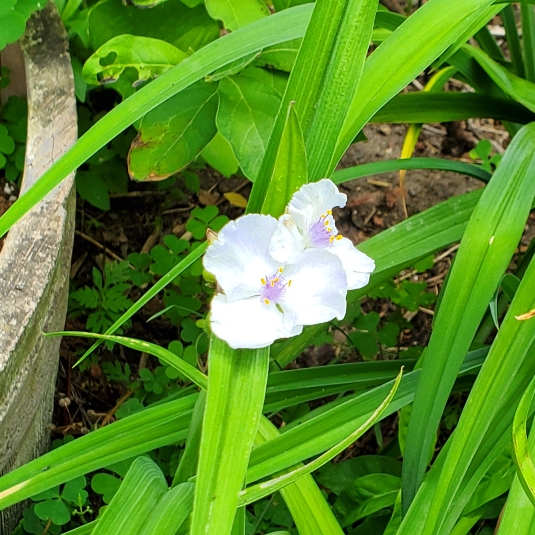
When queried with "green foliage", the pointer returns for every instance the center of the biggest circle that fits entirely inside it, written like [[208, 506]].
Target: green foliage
[[13, 17], [106, 299], [149, 57], [484, 151], [53, 508], [13, 119]]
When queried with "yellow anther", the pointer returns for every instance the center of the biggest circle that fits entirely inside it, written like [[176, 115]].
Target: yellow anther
[[326, 223], [339, 237], [266, 301], [281, 270], [329, 229], [331, 239], [289, 283], [272, 283], [262, 280], [323, 216], [330, 212]]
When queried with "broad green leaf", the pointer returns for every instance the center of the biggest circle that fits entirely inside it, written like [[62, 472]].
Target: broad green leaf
[[322, 84], [484, 428], [219, 155], [171, 21], [281, 56], [367, 495], [486, 250], [172, 135], [235, 15], [285, 4], [149, 57], [290, 169], [521, 453], [230, 424], [142, 488], [247, 109]]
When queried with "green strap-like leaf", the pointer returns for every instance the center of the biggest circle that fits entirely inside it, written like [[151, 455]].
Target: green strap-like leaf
[[310, 510], [517, 88], [142, 488], [521, 454], [261, 490], [486, 250], [322, 84], [401, 58], [290, 169], [236, 390]]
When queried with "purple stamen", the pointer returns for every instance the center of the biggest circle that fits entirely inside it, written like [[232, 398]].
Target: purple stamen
[[273, 288], [323, 232]]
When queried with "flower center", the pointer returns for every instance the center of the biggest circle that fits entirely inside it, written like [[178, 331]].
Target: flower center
[[323, 232], [273, 287]]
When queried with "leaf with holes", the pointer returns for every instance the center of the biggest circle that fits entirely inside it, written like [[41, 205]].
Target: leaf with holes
[[149, 57]]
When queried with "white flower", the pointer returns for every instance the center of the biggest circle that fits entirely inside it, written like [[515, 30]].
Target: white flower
[[308, 224], [263, 299]]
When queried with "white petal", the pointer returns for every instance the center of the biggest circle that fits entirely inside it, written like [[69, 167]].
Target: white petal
[[248, 323], [314, 200], [287, 241], [318, 288], [357, 265], [240, 257]]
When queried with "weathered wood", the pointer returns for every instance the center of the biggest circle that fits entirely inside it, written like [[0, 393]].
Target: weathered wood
[[35, 258]]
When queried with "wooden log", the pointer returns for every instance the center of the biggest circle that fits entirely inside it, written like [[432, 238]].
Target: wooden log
[[35, 258]]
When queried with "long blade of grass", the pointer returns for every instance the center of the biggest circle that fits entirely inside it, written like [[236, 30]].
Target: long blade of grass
[[513, 40], [388, 166], [328, 425], [517, 88], [142, 432], [424, 107], [528, 39], [486, 250], [519, 513], [236, 389]]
